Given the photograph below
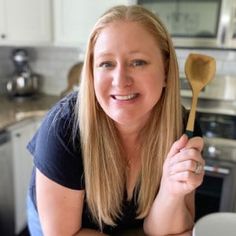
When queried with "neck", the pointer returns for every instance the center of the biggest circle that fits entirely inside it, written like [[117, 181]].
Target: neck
[[130, 141]]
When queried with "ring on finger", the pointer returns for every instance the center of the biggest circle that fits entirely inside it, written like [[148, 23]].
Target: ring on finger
[[199, 168]]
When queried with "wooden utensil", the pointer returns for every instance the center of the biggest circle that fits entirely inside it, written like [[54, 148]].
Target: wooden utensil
[[73, 78], [200, 70]]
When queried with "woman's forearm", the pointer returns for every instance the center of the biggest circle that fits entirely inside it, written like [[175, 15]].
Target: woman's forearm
[[168, 216], [89, 232], [173, 210]]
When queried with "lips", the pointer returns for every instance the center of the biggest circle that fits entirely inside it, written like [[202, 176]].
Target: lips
[[125, 97]]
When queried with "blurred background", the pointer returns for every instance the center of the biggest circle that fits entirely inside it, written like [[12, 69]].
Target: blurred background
[[42, 46]]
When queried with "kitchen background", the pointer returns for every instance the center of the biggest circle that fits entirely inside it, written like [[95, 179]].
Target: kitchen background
[[54, 34], [53, 63]]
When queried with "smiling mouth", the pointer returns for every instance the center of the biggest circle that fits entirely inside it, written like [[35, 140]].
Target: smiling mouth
[[125, 97]]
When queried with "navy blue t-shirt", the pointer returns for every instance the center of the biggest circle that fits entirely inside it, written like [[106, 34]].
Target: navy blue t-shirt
[[59, 157]]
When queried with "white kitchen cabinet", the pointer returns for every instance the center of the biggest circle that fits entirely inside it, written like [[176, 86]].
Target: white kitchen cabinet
[[74, 19], [2, 20], [25, 22], [22, 164]]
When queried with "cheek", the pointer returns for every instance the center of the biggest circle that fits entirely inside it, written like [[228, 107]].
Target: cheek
[[155, 86], [100, 86], [97, 87], [97, 81], [156, 81], [98, 90]]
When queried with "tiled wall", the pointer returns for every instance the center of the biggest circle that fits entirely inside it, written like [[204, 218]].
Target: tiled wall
[[225, 60], [6, 67], [53, 64]]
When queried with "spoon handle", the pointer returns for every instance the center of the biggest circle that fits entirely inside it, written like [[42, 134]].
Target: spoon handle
[[191, 117]]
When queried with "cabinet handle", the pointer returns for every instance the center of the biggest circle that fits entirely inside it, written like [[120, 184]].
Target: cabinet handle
[[223, 35], [3, 36]]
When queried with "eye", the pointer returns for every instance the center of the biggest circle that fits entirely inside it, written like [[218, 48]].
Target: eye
[[106, 64], [138, 62]]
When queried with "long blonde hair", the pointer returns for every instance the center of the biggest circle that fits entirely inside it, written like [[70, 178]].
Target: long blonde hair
[[104, 167]]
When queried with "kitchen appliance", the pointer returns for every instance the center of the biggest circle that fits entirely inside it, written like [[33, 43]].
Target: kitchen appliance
[[197, 23], [219, 94], [216, 115], [218, 191], [6, 180], [23, 83]]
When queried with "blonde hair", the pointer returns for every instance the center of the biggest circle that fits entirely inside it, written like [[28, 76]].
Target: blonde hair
[[104, 167]]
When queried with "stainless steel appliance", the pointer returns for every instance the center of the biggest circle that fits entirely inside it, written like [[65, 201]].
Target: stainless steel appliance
[[219, 94], [197, 23], [217, 118], [218, 191], [23, 82]]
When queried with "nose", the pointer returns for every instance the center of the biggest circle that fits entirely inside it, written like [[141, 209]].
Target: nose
[[121, 77]]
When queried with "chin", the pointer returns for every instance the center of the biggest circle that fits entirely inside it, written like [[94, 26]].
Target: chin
[[122, 120]]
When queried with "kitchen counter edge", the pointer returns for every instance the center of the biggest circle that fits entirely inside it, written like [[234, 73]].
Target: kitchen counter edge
[[13, 111]]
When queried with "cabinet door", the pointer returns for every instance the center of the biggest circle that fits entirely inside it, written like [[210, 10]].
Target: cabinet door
[[74, 19], [22, 167], [26, 22], [2, 21], [6, 190]]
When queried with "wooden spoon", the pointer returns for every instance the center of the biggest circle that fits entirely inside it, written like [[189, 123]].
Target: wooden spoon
[[200, 70], [73, 78]]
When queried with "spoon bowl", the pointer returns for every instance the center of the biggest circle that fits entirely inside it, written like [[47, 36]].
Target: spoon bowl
[[200, 70]]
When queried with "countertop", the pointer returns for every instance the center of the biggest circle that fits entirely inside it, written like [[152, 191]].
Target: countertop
[[15, 110]]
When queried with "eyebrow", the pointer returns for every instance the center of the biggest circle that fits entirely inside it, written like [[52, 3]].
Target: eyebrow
[[104, 53]]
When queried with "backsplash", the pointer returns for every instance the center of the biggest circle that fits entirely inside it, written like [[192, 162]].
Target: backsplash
[[6, 67], [53, 64], [225, 60]]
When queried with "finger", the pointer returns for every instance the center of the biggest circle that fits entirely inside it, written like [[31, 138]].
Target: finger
[[187, 154], [188, 177], [182, 166], [178, 145], [195, 142]]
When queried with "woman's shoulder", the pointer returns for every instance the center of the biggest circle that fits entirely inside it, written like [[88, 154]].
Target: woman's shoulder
[[64, 108], [57, 153], [58, 126], [61, 116]]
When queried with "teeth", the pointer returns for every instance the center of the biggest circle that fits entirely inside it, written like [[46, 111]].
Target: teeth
[[125, 97]]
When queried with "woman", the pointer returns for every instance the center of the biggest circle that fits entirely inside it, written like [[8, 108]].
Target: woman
[[108, 160]]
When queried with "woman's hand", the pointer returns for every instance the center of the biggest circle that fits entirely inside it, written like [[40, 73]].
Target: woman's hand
[[183, 169], [175, 199]]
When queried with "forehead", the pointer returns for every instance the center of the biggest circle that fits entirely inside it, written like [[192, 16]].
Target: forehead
[[125, 33]]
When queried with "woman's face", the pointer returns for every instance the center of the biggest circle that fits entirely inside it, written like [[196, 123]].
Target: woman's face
[[128, 72]]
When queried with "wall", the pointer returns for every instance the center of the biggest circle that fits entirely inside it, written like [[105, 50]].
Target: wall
[[225, 60], [5, 66], [53, 64]]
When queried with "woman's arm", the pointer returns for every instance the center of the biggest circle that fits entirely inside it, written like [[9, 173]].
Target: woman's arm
[[173, 209], [89, 232], [169, 216], [60, 208]]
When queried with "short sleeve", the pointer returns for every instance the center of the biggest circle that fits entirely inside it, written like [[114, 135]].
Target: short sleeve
[[55, 152]]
